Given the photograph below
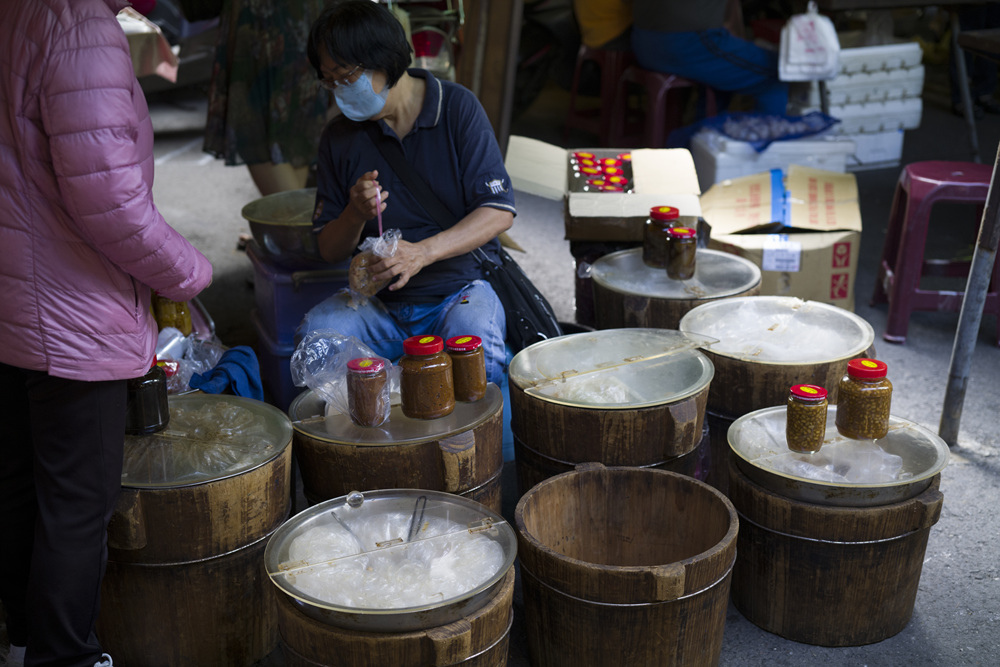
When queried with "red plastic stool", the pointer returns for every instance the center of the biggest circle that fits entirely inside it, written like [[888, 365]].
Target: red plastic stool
[[612, 64], [920, 186], [663, 112]]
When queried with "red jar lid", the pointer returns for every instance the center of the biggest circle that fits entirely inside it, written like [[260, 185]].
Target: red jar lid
[[596, 182], [365, 365], [609, 162], [423, 345], [591, 171], [613, 188], [583, 155], [625, 157], [617, 172], [587, 162], [867, 369], [681, 232], [617, 180], [808, 392], [664, 213], [464, 343]]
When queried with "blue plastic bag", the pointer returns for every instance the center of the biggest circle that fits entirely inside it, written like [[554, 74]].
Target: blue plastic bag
[[759, 130]]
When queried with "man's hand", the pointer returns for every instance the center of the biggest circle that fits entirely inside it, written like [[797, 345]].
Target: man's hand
[[364, 196], [409, 259]]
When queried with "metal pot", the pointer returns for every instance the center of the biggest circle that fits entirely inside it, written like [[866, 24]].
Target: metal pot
[[365, 524], [758, 442], [281, 225]]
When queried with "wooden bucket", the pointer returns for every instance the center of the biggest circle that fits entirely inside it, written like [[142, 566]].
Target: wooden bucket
[[185, 583], [627, 293], [829, 576], [751, 380], [624, 566], [553, 434], [461, 453], [477, 640]]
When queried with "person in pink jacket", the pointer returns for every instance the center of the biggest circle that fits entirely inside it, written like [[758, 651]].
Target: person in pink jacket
[[81, 245]]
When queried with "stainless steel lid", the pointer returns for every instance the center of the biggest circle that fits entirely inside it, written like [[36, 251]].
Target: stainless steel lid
[[310, 417], [614, 368], [209, 437], [779, 330], [391, 560], [717, 274], [847, 471]]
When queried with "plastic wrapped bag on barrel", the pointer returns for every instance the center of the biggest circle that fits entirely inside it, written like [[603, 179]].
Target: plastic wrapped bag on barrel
[[360, 286], [320, 363]]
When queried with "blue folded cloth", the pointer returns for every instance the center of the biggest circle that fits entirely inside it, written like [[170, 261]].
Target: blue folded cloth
[[237, 370]]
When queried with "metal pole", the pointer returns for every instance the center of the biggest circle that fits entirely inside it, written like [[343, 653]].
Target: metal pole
[[972, 312], [963, 86]]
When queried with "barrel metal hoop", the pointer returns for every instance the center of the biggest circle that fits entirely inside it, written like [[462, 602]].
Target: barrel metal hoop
[[573, 464], [595, 603], [819, 541], [489, 481], [200, 560], [506, 633]]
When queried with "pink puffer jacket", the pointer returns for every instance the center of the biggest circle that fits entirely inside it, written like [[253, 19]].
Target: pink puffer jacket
[[81, 242]]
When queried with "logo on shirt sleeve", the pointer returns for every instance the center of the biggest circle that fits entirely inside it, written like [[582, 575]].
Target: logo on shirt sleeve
[[318, 212], [496, 186]]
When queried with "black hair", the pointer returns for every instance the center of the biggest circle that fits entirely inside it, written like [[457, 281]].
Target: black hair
[[360, 32]]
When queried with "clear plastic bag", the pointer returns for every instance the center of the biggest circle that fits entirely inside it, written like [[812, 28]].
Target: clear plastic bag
[[320, 363], [360, 285], [199, 356]]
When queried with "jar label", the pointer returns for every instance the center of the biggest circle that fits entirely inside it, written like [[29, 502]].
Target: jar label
[[365, 363], [463, 340], [426, 339]]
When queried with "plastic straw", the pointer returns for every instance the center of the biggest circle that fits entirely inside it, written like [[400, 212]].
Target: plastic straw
[[378, 209]]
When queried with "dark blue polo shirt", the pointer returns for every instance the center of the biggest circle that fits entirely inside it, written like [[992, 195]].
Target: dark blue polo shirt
[[453, 147]]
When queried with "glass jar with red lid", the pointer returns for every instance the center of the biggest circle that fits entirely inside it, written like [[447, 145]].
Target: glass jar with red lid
[[864, 397], [426, 385], [682, 246], [805, 422], [468, 367], [654, 235], [367, 391]]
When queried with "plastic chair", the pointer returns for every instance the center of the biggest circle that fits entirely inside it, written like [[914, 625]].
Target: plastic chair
[[612, 64], [920, 186], [663, 112]]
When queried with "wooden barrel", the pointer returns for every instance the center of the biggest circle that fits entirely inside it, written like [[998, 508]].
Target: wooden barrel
[[185, 582], [627, 293], [780, 341], [625, 566], [553, 431], [461, 453], [829, 576], [477, 640]]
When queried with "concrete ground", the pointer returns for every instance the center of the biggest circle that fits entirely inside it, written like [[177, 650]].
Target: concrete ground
[[956, 619]]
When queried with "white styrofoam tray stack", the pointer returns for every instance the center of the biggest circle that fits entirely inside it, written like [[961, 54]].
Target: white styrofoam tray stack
[[718, 157]]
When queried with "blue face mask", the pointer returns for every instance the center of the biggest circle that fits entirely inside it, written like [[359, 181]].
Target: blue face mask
[[359, 101]]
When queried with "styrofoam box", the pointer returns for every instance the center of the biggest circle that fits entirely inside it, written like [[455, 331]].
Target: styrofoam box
[[718, 157], [861, 87], [857, 58], [870, 117], [283, 296], [875, 150]]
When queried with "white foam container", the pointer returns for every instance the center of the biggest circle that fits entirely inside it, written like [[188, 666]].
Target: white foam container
[[718, 157], [862, 87], [874, 58], [875, 150]]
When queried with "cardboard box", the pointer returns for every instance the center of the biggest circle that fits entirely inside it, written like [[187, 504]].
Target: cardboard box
[[660, 177], [803, 229]]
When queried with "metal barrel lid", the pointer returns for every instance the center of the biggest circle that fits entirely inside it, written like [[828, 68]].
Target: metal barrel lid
[[779, 329], [390, 560], [294, 207], [907, 455], [309, 415], [209, 437], [717, 274], [614, 368]]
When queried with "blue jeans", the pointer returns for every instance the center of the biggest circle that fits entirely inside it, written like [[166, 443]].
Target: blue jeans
[[718, 59], [475, 309]]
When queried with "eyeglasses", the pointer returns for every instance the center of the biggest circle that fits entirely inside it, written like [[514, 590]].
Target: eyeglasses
[[347, 79]]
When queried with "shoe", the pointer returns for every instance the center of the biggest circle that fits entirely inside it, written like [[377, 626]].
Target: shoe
[[959, 110], [105, 661]]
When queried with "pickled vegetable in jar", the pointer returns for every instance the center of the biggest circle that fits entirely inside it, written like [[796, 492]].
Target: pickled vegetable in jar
[[805, 421], [367, 391], [468, 367], [654, 235], [147, 409], [863, 400], [174, 314], [426, 385], [682, 246]]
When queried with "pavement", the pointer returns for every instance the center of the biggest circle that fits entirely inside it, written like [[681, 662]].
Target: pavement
[[956, 617]]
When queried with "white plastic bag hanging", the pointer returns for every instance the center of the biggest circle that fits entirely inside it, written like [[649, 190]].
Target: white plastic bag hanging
[[810, 48]]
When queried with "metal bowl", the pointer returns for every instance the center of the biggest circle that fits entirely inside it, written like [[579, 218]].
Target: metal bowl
[[281, 225], [362, 516], [761, 453]]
